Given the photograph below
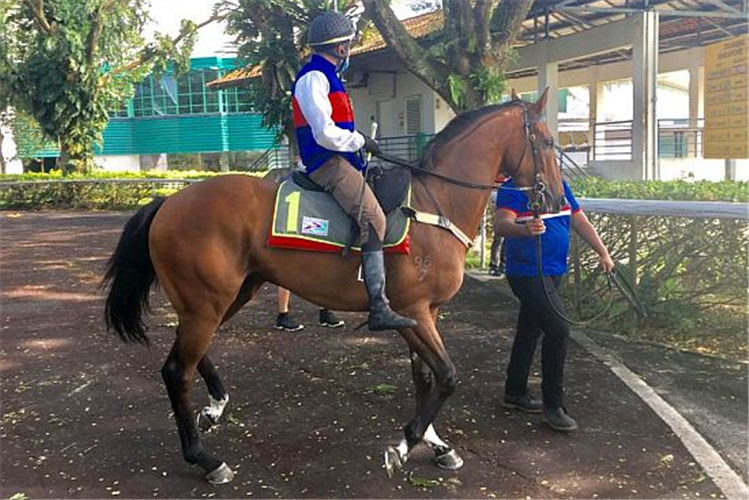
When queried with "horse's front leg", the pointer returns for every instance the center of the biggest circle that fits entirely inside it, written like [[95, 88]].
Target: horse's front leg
[[444, 454], [435, 380]]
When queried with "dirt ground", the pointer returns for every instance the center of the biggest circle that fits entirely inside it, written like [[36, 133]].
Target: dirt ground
[[85, 416]]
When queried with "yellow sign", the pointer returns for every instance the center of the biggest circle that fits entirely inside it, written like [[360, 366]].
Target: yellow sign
[[726, 101]]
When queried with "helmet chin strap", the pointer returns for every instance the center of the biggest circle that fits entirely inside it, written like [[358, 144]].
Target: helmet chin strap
[[343, 61]]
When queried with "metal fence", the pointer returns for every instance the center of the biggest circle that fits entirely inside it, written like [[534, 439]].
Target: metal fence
[[677, 138]]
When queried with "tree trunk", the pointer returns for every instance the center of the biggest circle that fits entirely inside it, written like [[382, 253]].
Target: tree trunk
[[64, 160], [2, 155]]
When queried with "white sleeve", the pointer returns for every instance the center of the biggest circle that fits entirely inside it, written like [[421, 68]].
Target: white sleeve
[[311, 94]]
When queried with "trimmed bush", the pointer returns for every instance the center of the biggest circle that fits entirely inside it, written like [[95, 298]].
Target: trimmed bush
[[36, 191]]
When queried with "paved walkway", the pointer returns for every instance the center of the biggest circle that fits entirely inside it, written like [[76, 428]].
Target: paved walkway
[[84, 416]]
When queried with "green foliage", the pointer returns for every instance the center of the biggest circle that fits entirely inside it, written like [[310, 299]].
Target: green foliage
[[691, 277], [82, 192], [67, 63], [457, 88], [271, 34], [490, 83], [592, 187]]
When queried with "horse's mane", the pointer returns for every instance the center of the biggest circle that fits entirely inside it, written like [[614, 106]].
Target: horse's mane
[[458, 126]]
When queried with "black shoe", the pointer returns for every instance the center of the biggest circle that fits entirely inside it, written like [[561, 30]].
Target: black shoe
[[558, 419], [496, 271], [526, 403], [330, 320], [381, 317], [285, 322]]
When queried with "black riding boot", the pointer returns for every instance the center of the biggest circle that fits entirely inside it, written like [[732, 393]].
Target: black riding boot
[[381, 317]]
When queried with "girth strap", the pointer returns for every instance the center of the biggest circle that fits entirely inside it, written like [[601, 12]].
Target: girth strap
[[439, 221]]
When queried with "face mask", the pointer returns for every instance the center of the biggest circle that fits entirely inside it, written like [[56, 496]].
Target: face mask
[[344, 65]]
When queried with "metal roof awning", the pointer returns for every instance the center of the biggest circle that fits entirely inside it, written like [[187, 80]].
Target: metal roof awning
[[684, 24]]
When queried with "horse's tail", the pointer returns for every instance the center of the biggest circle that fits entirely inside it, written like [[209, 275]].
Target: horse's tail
[[130, 275]]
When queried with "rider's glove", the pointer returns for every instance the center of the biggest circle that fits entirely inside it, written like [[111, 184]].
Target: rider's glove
[[371, 146]]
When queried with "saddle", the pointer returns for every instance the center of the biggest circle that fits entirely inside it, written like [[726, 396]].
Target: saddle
[[307, 218]]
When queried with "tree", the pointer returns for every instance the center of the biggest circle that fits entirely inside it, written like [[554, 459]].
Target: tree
[[464, 62], [271, 36], [69, 63]]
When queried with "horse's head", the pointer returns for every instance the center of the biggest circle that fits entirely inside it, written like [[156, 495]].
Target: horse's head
[[532, 160]]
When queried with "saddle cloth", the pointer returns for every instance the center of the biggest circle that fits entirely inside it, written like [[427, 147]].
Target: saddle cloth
[[312, 220]]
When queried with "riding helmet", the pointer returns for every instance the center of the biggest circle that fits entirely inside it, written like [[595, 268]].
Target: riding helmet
[[330, 28]]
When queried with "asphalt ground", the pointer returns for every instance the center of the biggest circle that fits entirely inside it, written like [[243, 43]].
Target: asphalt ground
[[311, 412]]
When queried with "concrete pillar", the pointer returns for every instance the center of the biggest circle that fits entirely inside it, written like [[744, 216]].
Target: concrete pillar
[[548, 76], [644, 80], [696, 93], [595, 102], [730, 170], [223, 162], [696, 106]]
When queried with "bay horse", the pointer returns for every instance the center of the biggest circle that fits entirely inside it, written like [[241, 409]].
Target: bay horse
[[206, 247]]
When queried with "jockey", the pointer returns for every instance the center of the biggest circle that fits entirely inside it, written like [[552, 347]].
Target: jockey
[[330, 148]]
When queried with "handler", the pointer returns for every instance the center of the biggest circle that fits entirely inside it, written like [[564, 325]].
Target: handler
[[516, 223], [330, 149]]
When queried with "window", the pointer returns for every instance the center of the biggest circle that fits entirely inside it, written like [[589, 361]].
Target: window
[[413, 115]]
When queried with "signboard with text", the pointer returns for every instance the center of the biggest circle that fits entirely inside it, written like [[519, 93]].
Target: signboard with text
[[726, 111]]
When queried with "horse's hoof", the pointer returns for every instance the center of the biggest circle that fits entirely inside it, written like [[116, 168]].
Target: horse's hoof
[[222, 475], [393, 461], [205, 420], [449, 460]]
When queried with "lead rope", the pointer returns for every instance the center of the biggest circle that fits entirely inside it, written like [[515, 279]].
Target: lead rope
[[536, 204]]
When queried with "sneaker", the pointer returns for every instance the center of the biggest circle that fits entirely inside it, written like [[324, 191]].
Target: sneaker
[[526, 403], [496, 271], [558, 419], [330, 320], [285, 322]]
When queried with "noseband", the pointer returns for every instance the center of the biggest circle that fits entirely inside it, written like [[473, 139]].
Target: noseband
[[539, 187]]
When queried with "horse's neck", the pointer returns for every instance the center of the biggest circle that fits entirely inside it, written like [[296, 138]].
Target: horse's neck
[[475, 159]]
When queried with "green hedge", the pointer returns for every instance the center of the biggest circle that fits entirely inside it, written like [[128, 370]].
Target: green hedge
[[102, 175], [29, 192], [593, 187]]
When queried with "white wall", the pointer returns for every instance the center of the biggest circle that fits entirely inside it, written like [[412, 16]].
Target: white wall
[[393, 107], [700, 169], [118, 163], [13, 165]]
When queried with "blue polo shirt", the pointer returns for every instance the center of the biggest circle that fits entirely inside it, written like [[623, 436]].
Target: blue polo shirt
[[555, 242]]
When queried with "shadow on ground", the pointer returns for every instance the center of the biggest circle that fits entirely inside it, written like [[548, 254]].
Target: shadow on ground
[[85, 416]]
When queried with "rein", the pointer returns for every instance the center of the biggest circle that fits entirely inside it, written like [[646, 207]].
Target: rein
[[613, 279]]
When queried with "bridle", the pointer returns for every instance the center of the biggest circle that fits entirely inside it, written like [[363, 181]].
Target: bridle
[[537, 193]]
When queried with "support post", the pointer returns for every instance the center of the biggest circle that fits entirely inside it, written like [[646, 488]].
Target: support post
[[632, 254], [548, 76], [644, 83], [595, 99], [696, 105]]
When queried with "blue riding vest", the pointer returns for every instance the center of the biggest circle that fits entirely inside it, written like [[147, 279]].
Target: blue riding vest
[[314, 155]]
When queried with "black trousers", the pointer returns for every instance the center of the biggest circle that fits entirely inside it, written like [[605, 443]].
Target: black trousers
[[497, 257], [537, 318]]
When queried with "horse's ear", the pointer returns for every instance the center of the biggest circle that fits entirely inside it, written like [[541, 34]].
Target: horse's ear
[[541, 102], [514, 95]]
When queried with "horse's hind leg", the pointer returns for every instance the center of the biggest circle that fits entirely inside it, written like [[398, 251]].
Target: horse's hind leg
[[190, 346], [217, 395]]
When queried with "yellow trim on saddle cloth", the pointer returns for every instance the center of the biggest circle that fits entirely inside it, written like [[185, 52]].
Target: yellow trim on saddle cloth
[[298, 236]]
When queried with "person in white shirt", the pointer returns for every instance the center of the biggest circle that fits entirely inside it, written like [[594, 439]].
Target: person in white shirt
[[330, 147]]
